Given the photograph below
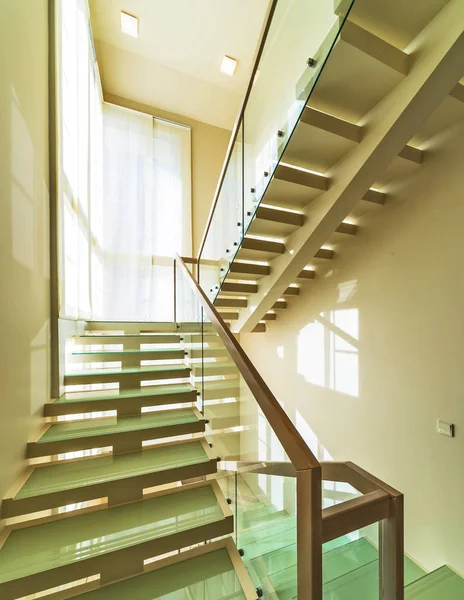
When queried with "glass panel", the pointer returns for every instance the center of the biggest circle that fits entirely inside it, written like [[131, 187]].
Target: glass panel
[[300, 38], [299, 31], [350, 567], [226, 227], [189, 319], [267, 530], [255, 472]]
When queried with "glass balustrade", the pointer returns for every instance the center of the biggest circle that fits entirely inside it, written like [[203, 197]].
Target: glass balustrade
[[303, 528], [299, 38]]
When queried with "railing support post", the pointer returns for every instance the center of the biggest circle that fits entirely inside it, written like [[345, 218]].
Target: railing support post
[[175, 290], [391, 550], [309, 533]]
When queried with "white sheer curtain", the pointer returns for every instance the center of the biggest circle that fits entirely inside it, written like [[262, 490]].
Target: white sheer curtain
[[124, 191], [79, 106], [146, 214]]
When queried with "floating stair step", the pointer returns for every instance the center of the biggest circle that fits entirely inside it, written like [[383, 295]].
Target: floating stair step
[[439, 585], [230, 302], [198, 338], [228, 316], [259, 328], [349, 131], [270, 316], [263, 530], [239, 288], [362, 583], [218, 390], [374, 196], [258, 513], [124, 434], [347, 228], [280, 565], [280, 215], [249, 269], [280, 304], [223, 416], [303, 177], [292, 291], [125, 355], [325, 253], [332, 124], [211, 576], [361, 78], [113, 543], [348, 557], [134, 327], [130, 377], [376, 47], [194, 327], [264, 249], [208, 353], [120, 477], [273, 221], [269, 538], [123, 400], [307, 274], [214, 368], [102, 339]]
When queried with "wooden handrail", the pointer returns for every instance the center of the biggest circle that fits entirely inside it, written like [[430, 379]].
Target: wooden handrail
[[355, 514], [238, 121], [298, 452], [380, 502]]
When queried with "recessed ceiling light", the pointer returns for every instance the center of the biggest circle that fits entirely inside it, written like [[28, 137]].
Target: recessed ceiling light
[[228, 65], [129, 24]]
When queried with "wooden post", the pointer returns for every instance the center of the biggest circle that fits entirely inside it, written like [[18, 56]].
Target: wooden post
[[391, 552], [309, 534]]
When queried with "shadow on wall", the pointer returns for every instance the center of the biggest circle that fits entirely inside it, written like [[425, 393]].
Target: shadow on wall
[[24, 225]]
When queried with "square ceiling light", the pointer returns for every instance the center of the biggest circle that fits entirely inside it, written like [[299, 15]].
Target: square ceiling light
[[228, 65], [129, 24]]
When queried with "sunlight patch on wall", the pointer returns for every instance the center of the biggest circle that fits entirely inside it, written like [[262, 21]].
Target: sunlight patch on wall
[[328, 354], [347, 290]]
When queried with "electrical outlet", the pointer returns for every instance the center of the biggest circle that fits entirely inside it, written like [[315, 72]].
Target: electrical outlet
[[445, 428]]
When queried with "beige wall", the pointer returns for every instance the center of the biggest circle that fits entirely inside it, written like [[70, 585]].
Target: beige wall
[[24, 239], [368, 358], [209, 145]]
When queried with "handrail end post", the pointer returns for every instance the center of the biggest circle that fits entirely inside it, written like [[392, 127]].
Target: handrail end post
[[309, 533], [391, 551]]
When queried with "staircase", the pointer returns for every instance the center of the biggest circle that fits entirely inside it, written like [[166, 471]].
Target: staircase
[[117, 476], [134, 485], [387, 85], [123, 495]]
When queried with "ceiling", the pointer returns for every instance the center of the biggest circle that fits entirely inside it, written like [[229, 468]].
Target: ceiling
[[174, 63]]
